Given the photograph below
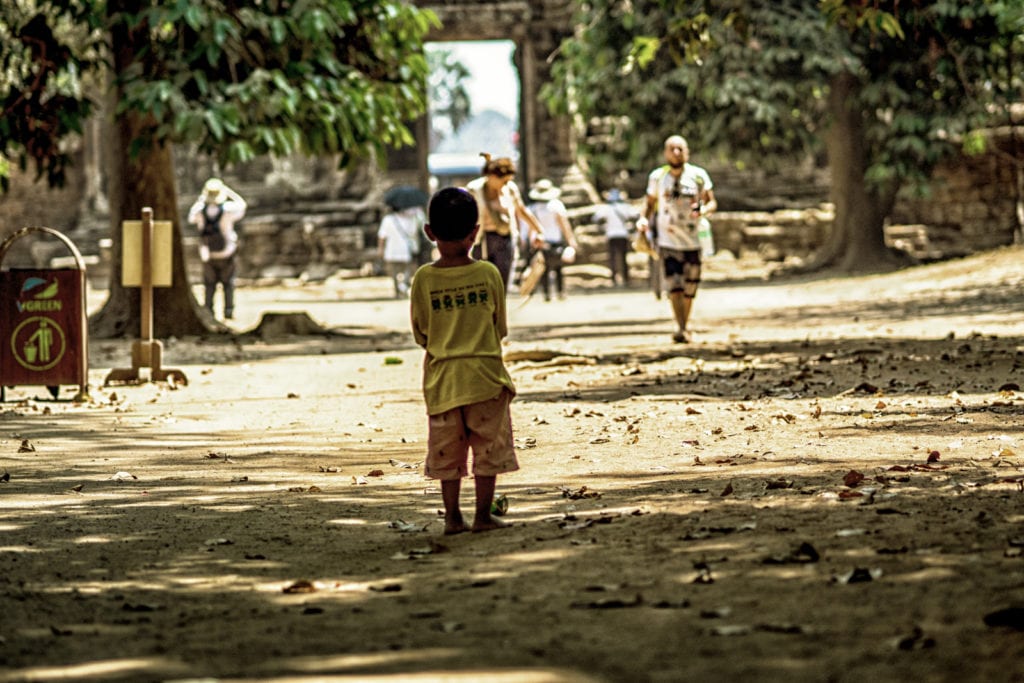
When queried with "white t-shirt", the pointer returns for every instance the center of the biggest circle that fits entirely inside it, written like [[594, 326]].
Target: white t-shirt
[[547, 214], [677, 229], [401, 233], [616, 217]]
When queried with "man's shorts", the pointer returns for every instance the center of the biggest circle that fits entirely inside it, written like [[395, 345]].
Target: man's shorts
[[674, 262], [485, 426]]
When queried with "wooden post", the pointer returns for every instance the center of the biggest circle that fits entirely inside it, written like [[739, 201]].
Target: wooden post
[[147, 353]]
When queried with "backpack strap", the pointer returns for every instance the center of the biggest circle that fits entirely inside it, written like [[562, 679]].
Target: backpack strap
[[212, 224]]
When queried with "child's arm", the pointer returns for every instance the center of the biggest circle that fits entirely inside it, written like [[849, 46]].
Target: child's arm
[[195, 213], [500, 316], [417, 316]]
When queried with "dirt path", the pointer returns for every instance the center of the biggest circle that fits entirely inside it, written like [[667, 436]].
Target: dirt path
[[826, 486]]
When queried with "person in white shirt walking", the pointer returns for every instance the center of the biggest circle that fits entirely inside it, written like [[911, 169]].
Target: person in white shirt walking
[[618, 219], [216, 212], [559, 240], [679, 197], [398, 244]]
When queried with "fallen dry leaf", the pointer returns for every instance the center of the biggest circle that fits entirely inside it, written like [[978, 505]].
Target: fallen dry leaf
[[300, 586], [853, 478], [579, 494]]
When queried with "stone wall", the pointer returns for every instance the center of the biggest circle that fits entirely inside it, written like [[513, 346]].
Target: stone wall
[[30, 203], [307, 222], [975, 202]]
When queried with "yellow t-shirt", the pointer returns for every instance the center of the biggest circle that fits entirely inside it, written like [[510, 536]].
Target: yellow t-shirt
[[458, 316]]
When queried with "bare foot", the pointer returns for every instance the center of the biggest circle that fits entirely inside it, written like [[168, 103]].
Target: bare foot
[[488, 523], [454, 525]]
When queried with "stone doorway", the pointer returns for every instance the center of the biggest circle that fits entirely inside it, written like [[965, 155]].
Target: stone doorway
[[492, 126], [535, 28]]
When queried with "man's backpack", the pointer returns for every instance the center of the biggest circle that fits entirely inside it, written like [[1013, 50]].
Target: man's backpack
[[212, 235]]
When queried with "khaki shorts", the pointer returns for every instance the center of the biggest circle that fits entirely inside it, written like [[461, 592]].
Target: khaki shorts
[[485, 426]]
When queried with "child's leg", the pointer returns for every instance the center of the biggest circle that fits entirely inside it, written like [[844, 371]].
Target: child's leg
[[447, 451], [483, 519], [490, 435], [453, 521]]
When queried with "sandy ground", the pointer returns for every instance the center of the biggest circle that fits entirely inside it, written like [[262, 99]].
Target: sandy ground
[[827, 486]]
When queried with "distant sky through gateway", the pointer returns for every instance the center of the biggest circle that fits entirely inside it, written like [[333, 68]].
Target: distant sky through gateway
[[493, 82]]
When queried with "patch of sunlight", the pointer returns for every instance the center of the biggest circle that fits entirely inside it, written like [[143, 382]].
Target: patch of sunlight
[[551, 555], [82, 540], [11, 527], [369, 659], [324, 664], [18, 549], [325, 587], [219, 582], [99, 587], [25, 502], [782, 572], [347, 521], [930, 574], [446, 676], [232, 507], [105, 669], [710, 546]]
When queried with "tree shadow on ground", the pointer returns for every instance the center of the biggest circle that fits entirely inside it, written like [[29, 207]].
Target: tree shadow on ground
[[331, 578], [721, 557]]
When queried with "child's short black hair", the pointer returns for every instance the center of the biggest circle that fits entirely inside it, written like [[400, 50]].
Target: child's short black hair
[[452, 214]]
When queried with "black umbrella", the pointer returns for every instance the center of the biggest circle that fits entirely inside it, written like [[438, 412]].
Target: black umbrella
[[403, 197]]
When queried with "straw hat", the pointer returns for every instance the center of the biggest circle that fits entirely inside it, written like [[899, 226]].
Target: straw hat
[[544, 191]]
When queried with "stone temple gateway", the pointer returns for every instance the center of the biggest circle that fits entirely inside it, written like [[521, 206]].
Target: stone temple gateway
[[537, 28]]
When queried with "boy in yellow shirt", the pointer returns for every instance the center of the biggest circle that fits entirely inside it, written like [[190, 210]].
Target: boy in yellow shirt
[[458, 316]]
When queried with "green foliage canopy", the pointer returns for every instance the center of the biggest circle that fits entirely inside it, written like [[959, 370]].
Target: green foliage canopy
[[749, 79], [449, 100], [236, 79]]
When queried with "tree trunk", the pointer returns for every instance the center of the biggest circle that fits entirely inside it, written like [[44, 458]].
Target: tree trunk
[[856, 242], [143, 177]]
